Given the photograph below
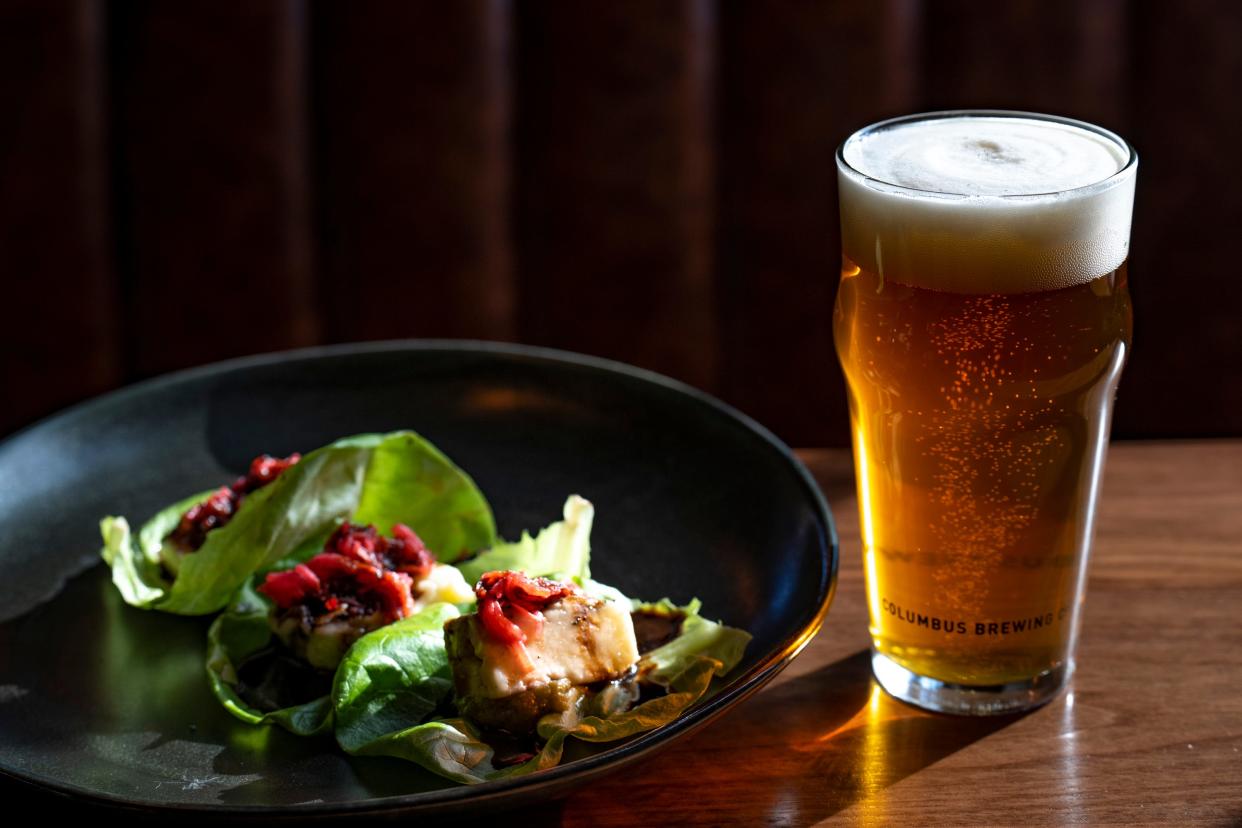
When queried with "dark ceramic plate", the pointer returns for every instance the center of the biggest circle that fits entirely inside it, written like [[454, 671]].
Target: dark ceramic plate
[[111, 703]]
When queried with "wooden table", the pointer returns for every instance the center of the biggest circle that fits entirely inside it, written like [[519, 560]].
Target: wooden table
[[1149, 732]]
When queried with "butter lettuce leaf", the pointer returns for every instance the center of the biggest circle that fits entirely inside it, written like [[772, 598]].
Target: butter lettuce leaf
[[370, 478], [392, 678], [237, 634], [135, 563], [561, 550], [388, 679], [454, 747], [699, 638], [391, 695]]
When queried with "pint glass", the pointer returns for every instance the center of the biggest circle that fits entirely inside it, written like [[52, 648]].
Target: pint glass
[[982, 322]]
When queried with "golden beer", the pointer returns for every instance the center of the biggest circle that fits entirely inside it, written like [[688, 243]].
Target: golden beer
[[982, 334]]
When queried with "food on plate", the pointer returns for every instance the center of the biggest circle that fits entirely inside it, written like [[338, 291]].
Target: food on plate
[[217, 509], [490, 686], [360, 582], [436, 642], [444, 712], [534, 647], [286, 516]]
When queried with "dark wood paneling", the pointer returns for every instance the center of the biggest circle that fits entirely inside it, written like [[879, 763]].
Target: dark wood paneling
[[212, 199], [614, 200], [793, 86], [1065, 57], [411, 112], [650, 181], [1185, 376], [58, 340]]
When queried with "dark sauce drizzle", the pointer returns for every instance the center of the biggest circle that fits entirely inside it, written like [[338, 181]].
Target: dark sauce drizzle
[[655, 628]]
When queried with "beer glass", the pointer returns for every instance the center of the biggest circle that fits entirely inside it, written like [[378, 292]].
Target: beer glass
[[982, 322]]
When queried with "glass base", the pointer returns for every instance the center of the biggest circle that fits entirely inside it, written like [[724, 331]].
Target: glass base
[[968, 700]]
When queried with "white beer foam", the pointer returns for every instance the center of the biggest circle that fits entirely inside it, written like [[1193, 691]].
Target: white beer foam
[[986, 204]]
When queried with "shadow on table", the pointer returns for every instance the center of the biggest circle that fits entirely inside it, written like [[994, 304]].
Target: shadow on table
[[796, 753], [880, 744]]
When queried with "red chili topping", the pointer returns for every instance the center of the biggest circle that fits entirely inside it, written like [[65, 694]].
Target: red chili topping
[[263, 470], [404, 552], [219, 508], [408, 553], [329, 581], [510, 604], [291, 586], [359, 570], [201, 518], [357, 542]]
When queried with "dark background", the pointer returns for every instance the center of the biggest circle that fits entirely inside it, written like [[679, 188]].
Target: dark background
[[650, 181]]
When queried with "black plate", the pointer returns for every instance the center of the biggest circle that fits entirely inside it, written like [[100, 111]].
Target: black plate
[[111, 703]]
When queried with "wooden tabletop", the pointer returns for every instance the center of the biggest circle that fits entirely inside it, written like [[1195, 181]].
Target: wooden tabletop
[[1150, 730]]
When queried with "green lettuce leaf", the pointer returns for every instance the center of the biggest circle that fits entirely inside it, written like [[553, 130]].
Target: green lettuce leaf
[[136, 567], [699, 638], [453, 748], [370, 478], [393, 682], [238, 633], [684, 689], [562, 549], [392, 678]]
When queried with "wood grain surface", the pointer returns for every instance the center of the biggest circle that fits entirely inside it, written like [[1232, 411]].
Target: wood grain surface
[[1150, 731]]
